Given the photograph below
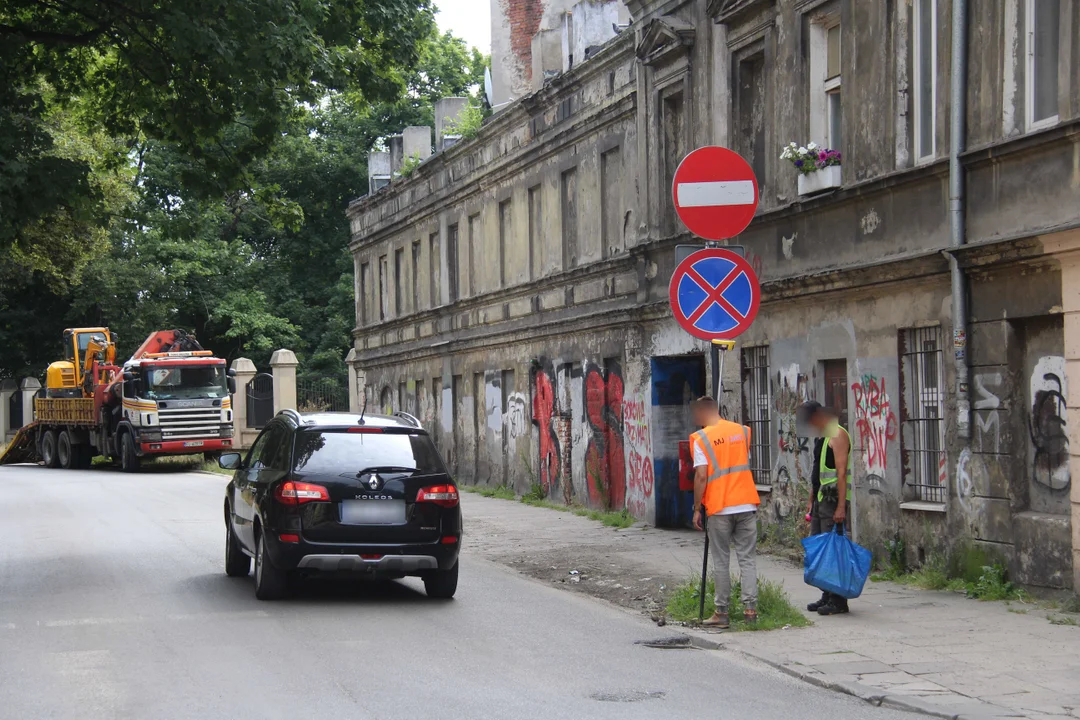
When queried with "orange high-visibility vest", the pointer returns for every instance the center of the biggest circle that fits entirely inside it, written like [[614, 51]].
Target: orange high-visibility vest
[[730, 483]]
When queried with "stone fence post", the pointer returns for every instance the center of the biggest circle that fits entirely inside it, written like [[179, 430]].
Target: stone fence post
[[29, 388], [357, 382], [284, 364], [245, 371], [7, 389]]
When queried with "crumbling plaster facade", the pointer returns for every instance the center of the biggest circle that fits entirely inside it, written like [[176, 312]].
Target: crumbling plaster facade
[[513, 291]]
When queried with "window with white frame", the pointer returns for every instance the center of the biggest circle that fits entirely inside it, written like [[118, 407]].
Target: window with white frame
[[922, 413], [1042, 22], [826, 103], [925, 75]]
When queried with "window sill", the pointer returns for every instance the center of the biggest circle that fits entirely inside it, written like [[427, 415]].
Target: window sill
[[923, 506], [764, 488]]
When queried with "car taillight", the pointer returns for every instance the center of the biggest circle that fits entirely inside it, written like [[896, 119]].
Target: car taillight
[[445, 495], [298, 493]]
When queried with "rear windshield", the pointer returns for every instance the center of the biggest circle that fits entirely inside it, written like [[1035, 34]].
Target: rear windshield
[[334, 453]]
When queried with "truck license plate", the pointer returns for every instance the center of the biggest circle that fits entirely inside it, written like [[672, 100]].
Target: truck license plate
[[194, 443]]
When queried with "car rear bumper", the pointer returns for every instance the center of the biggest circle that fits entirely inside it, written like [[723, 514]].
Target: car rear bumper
[[387, 564], [389, 560]]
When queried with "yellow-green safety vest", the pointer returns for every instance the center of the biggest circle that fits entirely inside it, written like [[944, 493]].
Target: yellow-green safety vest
[[827, 475]]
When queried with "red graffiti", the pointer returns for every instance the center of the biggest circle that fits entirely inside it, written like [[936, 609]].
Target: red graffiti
[[605, 464], [640, 483], [874, 420], [636, 425], [543, 413]]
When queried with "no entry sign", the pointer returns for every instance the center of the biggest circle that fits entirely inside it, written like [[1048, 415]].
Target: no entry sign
[[716, 193], [714, 294]]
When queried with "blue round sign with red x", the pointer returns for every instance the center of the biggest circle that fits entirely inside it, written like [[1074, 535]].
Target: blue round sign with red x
[[714, 294]]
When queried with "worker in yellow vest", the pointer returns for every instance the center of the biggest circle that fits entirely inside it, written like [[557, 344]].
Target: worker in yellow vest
[[724, 487], [832, 462]]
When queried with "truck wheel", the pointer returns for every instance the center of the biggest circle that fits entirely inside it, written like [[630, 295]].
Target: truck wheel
[[65, 451], [48, 449], [129, 460]]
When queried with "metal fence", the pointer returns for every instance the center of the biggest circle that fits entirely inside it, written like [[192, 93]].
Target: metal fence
[[922, 413], [260, 401], [322, 395]]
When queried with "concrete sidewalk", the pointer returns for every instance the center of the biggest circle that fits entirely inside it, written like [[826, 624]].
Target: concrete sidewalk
[[934, 652]]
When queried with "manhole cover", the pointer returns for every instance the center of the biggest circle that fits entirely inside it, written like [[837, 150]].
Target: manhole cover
[[674, 642], [628, 696]]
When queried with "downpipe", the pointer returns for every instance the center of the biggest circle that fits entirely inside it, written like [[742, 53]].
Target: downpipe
[[957, 201]]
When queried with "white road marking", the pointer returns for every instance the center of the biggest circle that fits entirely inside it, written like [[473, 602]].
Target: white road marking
[[715, 194]]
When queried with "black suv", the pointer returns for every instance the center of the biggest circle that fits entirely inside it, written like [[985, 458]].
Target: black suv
[[337, 493]]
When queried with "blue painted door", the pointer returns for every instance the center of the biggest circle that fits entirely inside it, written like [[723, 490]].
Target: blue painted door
[[676, 381]]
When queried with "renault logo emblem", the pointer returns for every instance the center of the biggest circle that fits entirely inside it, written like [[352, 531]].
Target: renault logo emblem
[[374, 482]]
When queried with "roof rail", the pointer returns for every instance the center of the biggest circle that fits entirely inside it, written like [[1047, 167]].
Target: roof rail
[[295, 415], [408, 418]]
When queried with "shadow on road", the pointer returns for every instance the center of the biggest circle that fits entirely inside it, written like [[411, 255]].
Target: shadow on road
[[240, 592]]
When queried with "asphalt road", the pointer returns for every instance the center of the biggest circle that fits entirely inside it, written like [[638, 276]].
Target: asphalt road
[[114, 604]]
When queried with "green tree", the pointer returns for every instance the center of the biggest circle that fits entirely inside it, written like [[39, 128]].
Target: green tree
[[218, 79]]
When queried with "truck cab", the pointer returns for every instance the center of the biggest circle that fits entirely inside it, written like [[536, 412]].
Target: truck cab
[[178, 402]]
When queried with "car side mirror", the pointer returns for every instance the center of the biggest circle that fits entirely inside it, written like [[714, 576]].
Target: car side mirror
[[129, 376], [231, 372], [232, 385], [229, 461]]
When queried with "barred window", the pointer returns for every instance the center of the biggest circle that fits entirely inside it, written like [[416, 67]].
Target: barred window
[[756, 404], [922, 414]]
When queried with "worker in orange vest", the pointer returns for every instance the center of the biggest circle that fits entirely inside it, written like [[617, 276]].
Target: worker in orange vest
[[724, 487]]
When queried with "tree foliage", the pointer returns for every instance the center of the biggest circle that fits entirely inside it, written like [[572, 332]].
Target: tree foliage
[[201, 228], [219, 79]]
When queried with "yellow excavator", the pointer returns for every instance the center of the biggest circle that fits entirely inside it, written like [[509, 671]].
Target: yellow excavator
[[73, 377]]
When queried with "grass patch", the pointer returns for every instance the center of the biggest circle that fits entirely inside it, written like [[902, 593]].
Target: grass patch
[[502, 492], [960, 574], [536, 497], [1063, 620], [774, 606]]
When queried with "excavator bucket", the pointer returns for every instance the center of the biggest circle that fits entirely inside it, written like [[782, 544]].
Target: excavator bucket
[[23, 449]]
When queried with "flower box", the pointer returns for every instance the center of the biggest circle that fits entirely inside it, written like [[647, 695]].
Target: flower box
[[821, 179]]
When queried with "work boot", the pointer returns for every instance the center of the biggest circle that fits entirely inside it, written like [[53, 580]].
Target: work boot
[[718, 620], [818, 604], [836, 606], [750, 616]]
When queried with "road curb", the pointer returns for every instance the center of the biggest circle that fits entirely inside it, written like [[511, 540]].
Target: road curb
[[871, 695]]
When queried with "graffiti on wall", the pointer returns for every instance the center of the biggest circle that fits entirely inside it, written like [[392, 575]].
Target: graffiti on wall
[[791, 391], [1049, 423], [875, 423], [986, 406], [605, 463], [516, 424], [964, 487], [639, 456], [543, 416]]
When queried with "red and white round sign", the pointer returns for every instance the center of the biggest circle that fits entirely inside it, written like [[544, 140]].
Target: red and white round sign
[[716, 193]]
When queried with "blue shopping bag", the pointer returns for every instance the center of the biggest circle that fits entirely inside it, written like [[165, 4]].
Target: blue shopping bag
[[835, 564]]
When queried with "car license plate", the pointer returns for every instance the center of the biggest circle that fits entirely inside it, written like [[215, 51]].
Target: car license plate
[[193, 443], [373, 512]]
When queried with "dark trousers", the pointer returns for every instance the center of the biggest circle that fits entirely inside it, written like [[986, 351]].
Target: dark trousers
[[823, 518]]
